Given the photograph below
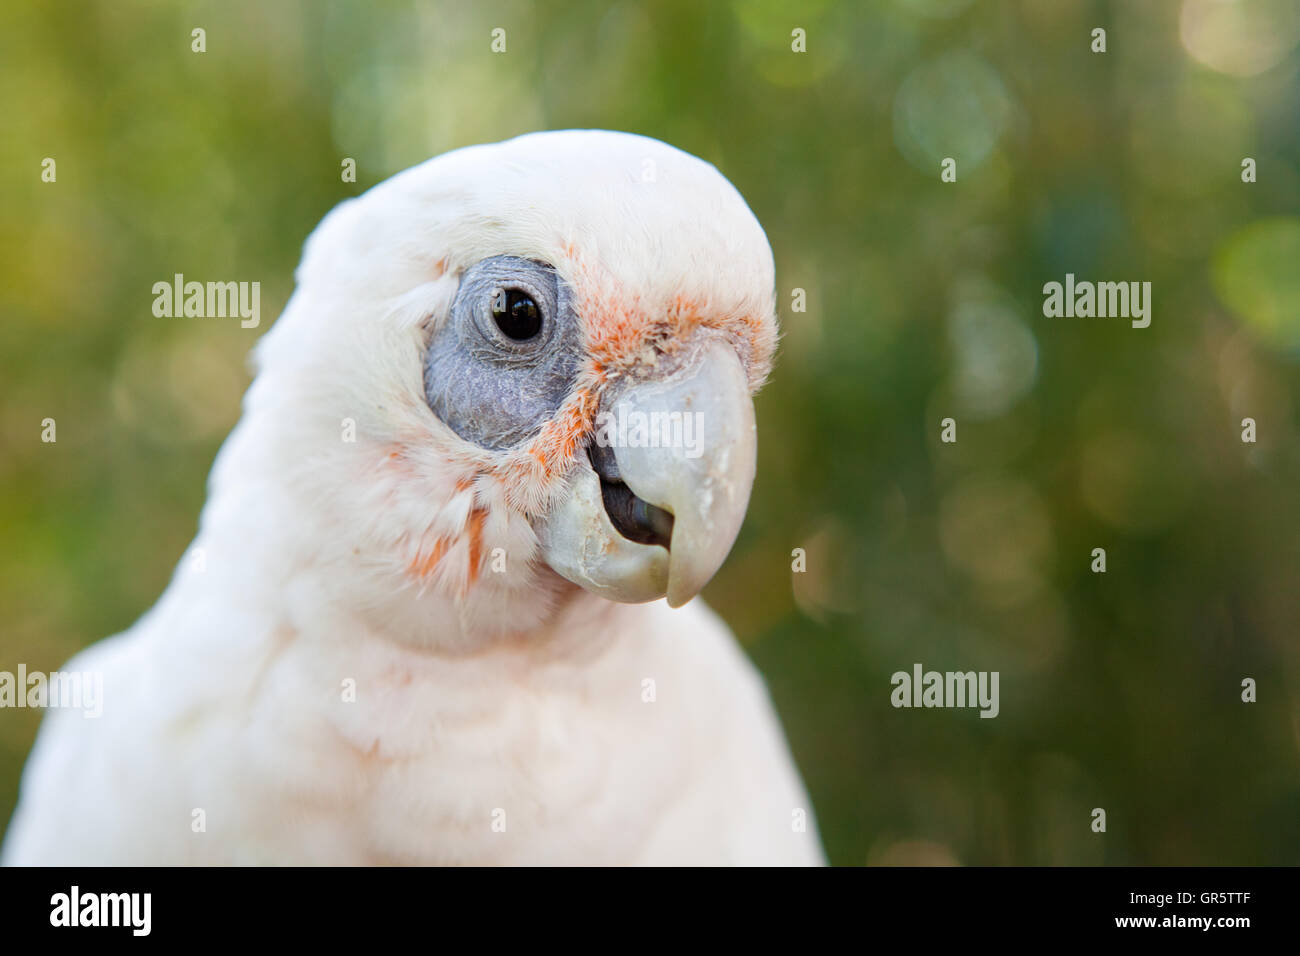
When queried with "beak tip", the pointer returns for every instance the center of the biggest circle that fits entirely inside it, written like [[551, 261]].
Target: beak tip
[[678, 593]]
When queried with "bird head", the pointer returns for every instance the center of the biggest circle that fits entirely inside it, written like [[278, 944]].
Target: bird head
[[546, 349]]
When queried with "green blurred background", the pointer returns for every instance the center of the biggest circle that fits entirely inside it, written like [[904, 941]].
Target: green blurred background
[[1118, 690]]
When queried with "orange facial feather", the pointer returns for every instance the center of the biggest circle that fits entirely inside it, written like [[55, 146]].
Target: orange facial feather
[[476, 519]]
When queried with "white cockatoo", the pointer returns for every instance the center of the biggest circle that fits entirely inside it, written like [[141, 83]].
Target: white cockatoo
[[422, 621]]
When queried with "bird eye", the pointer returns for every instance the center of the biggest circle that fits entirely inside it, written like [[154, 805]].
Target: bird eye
[[516, 314]]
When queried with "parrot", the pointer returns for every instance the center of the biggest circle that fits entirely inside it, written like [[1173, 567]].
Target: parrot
[[439, 609]]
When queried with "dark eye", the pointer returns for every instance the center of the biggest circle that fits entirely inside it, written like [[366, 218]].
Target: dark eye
[[516, 314]]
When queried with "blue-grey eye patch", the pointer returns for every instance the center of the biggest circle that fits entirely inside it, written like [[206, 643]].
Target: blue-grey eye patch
[[488, 384]]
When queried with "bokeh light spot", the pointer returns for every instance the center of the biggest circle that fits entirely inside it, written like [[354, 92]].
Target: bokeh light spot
[[1239, 38], [953, 106], [1256, 274]]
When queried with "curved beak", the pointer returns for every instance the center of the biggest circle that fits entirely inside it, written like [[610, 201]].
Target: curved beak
[[656, 509]]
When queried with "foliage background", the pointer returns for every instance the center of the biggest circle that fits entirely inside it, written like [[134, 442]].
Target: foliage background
[[1119, 690]]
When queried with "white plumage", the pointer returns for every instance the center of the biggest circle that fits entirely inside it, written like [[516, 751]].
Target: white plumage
[[500, 711]]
